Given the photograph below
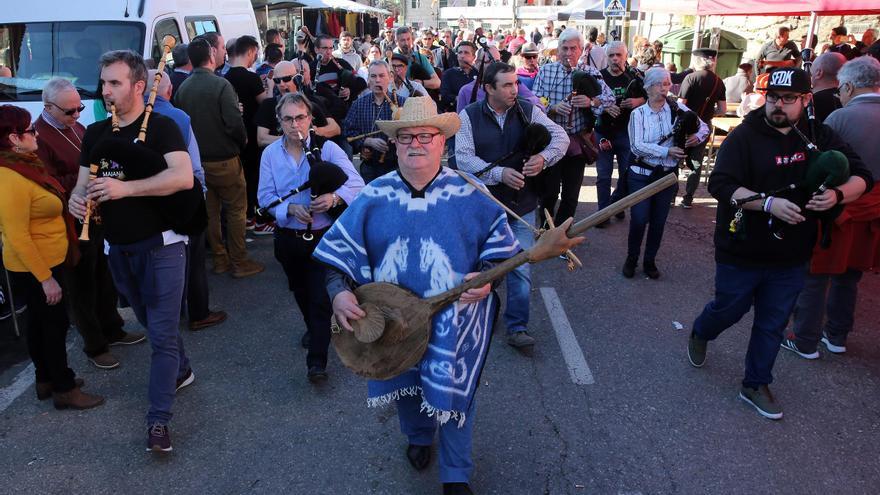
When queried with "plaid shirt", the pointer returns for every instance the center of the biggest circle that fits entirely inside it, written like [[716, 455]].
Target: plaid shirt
[[554, 83], [362, 117]]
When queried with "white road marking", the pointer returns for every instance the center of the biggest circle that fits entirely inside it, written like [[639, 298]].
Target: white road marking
[[571, 350], [22, 381]]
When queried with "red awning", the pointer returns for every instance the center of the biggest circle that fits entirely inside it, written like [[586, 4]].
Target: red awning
[[786, 7]]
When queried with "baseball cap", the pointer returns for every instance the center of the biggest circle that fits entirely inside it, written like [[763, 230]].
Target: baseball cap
[[789, 79]]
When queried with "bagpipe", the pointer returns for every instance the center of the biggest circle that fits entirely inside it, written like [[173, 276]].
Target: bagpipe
[[369, 154], [535, 139], [582, 83], [486, 58], [345, 78], [184, 211], [825, 170], [324, 178]]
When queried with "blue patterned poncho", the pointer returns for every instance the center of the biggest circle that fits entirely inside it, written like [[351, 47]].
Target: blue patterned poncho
[[426, 243]]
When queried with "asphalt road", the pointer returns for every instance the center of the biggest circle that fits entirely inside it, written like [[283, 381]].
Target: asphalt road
[[646, 421]]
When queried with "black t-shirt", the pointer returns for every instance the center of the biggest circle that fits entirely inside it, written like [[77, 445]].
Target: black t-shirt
[[702, 90], [824, 102], [248, 86], [266, 115], [625, 85], [132, 219]]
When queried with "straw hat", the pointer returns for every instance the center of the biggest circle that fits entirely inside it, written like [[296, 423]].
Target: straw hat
[[421, 111]]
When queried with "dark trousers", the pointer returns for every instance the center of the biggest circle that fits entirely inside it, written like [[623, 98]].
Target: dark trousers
[[47, 330], [650, 213], [605, 167], [94, 298], [772, 291], [197, 296], [694, 163], [568, 176], [831, 296], [151, 277], [250, 162], [306, 278]]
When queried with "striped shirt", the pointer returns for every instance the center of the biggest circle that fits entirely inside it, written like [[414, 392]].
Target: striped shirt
[[650, 136], [554, 83]]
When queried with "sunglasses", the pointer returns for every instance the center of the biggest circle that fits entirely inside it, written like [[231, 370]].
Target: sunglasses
[[530, 56], [70, 112], [30, 130], [279, 80]]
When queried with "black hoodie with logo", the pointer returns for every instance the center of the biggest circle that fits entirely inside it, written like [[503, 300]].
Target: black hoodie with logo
[[757, 156]]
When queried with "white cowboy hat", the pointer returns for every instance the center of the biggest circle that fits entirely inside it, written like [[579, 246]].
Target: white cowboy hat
[[421, 111]]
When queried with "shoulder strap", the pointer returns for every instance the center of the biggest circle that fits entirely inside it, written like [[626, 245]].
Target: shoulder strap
[[711, 94]]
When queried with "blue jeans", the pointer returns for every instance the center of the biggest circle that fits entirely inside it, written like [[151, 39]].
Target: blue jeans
[[650, 213], [519, 281], [773, 292], [456, 463], [152, 281], [605, 165]]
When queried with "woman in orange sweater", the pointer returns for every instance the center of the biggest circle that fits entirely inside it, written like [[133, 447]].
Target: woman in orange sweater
[[38, 238]]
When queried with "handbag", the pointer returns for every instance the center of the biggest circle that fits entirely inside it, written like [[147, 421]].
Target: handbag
[[583, 144]]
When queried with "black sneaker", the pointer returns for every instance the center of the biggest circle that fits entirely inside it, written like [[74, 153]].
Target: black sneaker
[[317, 374], [158, 438], [650, 269], [697, 351], [419, 456], [186, 380], [687, 202], [790, 345], [762, 400], [629, 267], [832, 347]]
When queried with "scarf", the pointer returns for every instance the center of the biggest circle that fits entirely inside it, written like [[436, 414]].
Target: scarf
[[30, 167]]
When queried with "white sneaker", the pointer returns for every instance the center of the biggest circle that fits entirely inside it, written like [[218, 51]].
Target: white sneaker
[[791, 346], [834, 349]]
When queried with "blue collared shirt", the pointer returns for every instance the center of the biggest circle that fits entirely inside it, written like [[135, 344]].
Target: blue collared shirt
[[164, 107], [280, 173]]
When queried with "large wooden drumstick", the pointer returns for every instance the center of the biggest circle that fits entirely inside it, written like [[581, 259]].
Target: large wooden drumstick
[[168, 43], [90, 205]]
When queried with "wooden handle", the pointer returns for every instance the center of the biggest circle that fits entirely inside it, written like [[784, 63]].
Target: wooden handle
[[114, 119], [168, 43], [509, 265], [84, 235], [361, 136]]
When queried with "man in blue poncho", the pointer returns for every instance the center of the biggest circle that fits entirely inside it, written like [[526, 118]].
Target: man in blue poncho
[[425, 228]]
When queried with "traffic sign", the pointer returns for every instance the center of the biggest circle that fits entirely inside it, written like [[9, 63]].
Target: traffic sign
[[615, 8]]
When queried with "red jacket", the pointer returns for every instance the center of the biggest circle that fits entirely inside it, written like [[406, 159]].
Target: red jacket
[[855, 239]]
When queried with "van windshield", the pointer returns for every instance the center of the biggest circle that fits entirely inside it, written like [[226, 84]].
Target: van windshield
[[33, 53]]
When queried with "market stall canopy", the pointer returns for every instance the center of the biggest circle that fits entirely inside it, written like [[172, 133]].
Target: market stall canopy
[[346, 5], [275, 4], [787, 7], [683, 7]]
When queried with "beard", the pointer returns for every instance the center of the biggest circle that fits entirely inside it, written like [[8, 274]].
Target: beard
[[778, 119]]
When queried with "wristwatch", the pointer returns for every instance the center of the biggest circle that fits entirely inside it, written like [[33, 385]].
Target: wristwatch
[[335, 200], [839, 194]]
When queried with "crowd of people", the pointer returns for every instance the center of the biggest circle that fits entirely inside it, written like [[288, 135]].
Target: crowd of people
[[336, 148]]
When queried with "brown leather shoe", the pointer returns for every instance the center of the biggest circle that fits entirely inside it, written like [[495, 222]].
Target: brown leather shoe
[[105, 361], [76, 399], [221, 264], [214, 318], [130, 338], [44, 389], [247, 268]]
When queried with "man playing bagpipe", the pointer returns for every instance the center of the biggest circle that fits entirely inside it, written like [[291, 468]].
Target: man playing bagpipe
[[149, 202], [303, 216], [770, 185], [490, 145], [334, 76]]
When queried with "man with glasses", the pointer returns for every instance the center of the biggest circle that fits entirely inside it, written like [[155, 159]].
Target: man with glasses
[[762, 247], [703, 92], [302, 220], [93, 294], [378, 156], [455, 78], [334, 77], [363, 246], [287, 79], [402, 84], [611, 127], [528, 68]]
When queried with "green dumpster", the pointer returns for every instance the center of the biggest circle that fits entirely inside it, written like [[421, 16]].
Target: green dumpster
[[677, 46]]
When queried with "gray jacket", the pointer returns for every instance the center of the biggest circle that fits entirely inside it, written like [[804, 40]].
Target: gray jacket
[[857, 125]]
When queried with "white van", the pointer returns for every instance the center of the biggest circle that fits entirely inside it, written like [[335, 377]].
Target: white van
[[42, 39]]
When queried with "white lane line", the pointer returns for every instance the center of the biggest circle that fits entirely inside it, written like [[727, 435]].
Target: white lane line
[[22, 381], [571, 350]]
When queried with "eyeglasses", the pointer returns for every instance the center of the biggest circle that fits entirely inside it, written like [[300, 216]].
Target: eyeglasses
[[287, 119], [70, 112], [279, 80], [30, 130], [529, 56], [423, 137], [398, 66], [787, 99]]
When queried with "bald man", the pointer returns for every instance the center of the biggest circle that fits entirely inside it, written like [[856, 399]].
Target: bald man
[[286, 80], [197, 296], [824, 79]]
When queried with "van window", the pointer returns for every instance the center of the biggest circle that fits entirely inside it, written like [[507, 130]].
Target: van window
[[163, 28], [196, 26], [36, 52]]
